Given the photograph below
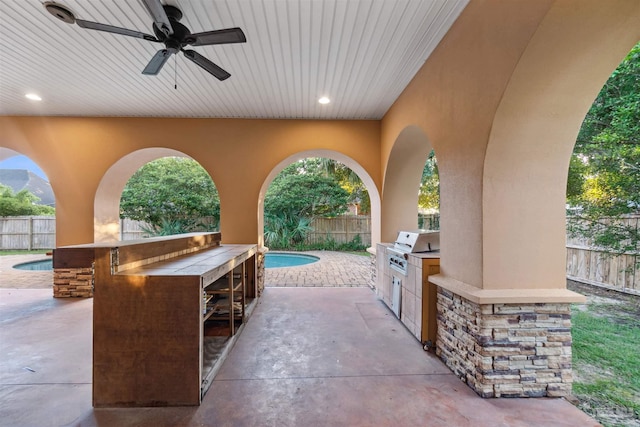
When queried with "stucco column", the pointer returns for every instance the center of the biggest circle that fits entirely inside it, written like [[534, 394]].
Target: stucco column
[[238, 213]]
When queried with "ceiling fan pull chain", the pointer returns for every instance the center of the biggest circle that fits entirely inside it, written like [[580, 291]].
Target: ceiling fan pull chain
[[175, 74]]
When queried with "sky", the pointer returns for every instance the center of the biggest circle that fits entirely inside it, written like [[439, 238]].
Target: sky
[[22, 162]]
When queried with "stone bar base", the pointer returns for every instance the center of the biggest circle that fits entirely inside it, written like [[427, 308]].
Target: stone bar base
[[73, 283], [373, 270], [260, 272], [506, 350]]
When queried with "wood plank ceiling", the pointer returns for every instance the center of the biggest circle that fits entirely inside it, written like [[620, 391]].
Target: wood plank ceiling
[[359, 53]]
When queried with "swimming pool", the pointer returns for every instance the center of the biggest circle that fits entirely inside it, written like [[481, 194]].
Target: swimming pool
[[271, 260], [287, 259], [39, 265]]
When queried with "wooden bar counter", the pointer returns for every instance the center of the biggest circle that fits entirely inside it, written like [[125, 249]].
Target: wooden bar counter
[[152, 301]]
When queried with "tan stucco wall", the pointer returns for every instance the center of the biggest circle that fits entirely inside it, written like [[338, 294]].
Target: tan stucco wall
[[75, 153], [484, 99]]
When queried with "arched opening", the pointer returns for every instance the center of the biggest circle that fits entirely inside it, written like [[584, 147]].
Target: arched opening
[[603, 186], [168, 196], [347, 161], [603, 247], [402, 181], [429, 195], [28, 203], [108, 195]]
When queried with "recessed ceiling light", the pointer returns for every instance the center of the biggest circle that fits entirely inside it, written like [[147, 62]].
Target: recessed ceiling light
[[33, 97], [324, 100]]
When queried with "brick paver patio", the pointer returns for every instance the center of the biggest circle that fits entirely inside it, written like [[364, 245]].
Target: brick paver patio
[[334, 269], [21, 279]]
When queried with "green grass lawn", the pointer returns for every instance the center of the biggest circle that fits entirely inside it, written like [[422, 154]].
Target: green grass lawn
[[606, 362], [24, 252]]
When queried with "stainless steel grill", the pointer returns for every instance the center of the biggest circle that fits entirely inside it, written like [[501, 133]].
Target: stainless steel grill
[[411, 242], [417, 241]]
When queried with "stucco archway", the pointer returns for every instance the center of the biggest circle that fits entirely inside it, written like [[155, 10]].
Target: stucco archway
[[36, 182], [46, 197], [374, 196], [5, 153], [402, 182], [531, 141], [107, 199]]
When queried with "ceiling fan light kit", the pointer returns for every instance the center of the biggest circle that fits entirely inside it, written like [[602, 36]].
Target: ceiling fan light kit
[[168, 31]]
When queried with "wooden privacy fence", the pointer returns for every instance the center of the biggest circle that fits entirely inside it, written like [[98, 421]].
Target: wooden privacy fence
[[588, 264], [341, 229], [429, 221], [131, 229], [596, 267], [27, 232]]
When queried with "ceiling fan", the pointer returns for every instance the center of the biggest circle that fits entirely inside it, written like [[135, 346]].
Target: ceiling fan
[[174, 35]]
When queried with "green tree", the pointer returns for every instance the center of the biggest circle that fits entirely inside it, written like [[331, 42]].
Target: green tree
[[306, 195], [604, 174], [172, 194], [21, 203], [578, 172], [302, 191], [350, 181], [429, 195]]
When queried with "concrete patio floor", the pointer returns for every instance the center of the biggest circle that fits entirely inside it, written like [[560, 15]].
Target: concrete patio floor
[[307, 357]]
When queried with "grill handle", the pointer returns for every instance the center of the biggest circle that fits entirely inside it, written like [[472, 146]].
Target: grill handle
[[403, 244]]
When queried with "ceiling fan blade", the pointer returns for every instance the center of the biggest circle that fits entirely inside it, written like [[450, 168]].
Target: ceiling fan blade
[[160, 18], [207, 65], [115, 30], [157, 62], [228, 35]]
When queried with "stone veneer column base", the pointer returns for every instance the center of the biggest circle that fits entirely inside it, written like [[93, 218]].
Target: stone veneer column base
[[506, 350], [73, 283]]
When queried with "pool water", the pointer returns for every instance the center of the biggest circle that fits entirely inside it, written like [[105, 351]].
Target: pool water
[[271, 260], [40, 265], [278, 259]]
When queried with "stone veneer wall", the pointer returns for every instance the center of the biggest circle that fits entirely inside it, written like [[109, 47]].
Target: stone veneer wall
[[506, 350], [260, 272], [73, 282], [373, 271]]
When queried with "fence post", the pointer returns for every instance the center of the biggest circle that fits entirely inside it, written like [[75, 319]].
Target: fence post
[[347, 220], [30, 233]]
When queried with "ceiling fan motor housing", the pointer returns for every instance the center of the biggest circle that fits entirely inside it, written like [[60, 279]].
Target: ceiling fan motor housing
[[60, 12], [181, 34]]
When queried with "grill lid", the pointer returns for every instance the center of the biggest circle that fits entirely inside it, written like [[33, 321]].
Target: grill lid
[[417, 241]]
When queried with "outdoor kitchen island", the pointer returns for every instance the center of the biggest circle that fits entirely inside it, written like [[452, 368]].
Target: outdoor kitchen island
[[166, 311], [402, 281]]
